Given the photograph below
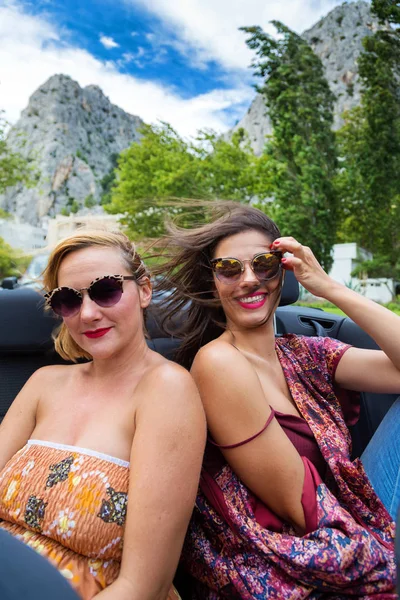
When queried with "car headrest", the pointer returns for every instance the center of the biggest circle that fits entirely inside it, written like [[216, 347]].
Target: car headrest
[[26, 327], [290, 289], [24, 324]]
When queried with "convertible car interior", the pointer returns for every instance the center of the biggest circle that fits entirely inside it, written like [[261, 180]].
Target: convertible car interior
[[26, 344]]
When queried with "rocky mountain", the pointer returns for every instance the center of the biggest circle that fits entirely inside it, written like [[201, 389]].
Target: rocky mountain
[[337, 40], [74, 136]]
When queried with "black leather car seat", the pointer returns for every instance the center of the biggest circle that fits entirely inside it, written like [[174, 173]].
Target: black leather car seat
[[25, 340]]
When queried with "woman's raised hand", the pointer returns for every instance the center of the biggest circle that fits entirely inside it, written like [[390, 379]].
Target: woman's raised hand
[[304, 265]]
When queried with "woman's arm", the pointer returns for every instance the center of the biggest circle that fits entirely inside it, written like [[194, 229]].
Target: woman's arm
[[20, 420], [165, 465], [358, 369], [369, 370], [237, 408]]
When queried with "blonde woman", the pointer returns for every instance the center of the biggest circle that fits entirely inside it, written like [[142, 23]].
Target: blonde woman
[[100, 459]]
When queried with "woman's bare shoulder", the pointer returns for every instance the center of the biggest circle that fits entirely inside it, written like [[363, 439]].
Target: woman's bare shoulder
[[168, 377], [167, 397], [168, 380], [216, 355], [51, 377]]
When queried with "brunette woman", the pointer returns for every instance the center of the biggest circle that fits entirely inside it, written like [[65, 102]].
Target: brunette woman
[[283, 511]]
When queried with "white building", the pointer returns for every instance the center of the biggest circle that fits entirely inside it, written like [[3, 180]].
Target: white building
[[62, 226], [345, 259], [379, 289], [22, 236]]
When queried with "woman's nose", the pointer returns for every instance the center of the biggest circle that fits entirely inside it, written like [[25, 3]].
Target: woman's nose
[[248, 274], [89, 309]]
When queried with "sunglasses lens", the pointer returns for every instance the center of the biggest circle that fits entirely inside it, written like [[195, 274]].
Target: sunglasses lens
[[106, 292], [228, 270], [65, 302], [266, 266]]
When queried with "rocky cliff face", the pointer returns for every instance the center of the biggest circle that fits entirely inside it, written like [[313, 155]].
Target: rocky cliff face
[[74, 135], [337, 40]]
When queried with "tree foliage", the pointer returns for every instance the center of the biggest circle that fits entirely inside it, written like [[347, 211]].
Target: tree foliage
[[11, 261], [157, 176], [228, 167], [369, 145], [108, 181], [14, 168], [300, 158], [377, 267]]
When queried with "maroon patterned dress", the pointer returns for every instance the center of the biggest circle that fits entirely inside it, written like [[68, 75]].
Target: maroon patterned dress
[[233, 551]]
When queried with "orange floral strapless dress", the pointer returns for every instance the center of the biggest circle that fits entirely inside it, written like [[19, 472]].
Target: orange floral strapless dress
[[69, 504]]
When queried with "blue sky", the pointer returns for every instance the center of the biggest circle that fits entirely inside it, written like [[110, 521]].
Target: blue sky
[[135, 39], [182, 61]]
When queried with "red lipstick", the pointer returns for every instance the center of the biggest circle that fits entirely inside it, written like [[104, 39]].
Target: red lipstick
[[96, 333], [252, 305]]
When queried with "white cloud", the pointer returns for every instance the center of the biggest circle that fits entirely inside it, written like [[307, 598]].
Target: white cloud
[[129, 57], [32, 50], [108, 42], [163, 40], [209, 28]]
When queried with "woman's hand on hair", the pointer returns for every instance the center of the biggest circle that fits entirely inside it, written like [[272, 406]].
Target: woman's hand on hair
[[304, 265]]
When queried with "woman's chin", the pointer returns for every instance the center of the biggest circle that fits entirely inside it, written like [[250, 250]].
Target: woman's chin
[[251, 316], [249, 322], [99, 351]]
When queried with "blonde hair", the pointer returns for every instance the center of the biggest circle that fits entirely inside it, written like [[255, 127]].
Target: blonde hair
[[66, 347]]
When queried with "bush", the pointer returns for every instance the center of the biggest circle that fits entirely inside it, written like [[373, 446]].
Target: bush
[[394, 307], [89, 201], [11, 261]]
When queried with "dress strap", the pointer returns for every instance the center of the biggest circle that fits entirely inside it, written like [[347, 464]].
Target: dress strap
[[253, 437]]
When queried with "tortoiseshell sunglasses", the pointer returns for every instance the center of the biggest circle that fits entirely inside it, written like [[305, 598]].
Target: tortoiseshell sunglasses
[[265, 266], [105, 291]]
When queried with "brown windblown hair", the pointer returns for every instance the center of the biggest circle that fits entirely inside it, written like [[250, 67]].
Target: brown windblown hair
[[186, 276], [66, 347]]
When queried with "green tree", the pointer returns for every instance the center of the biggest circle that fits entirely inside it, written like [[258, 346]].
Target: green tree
[[148, 174], [14, 168], [108, 181], [228, 168], [300, 158], [71, 207], [369, 146], [157, 176], [11, 261], [89, 201], [4, 214], [377, 267]]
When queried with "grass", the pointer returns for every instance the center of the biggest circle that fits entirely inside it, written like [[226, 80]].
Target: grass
[[328, 307]]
